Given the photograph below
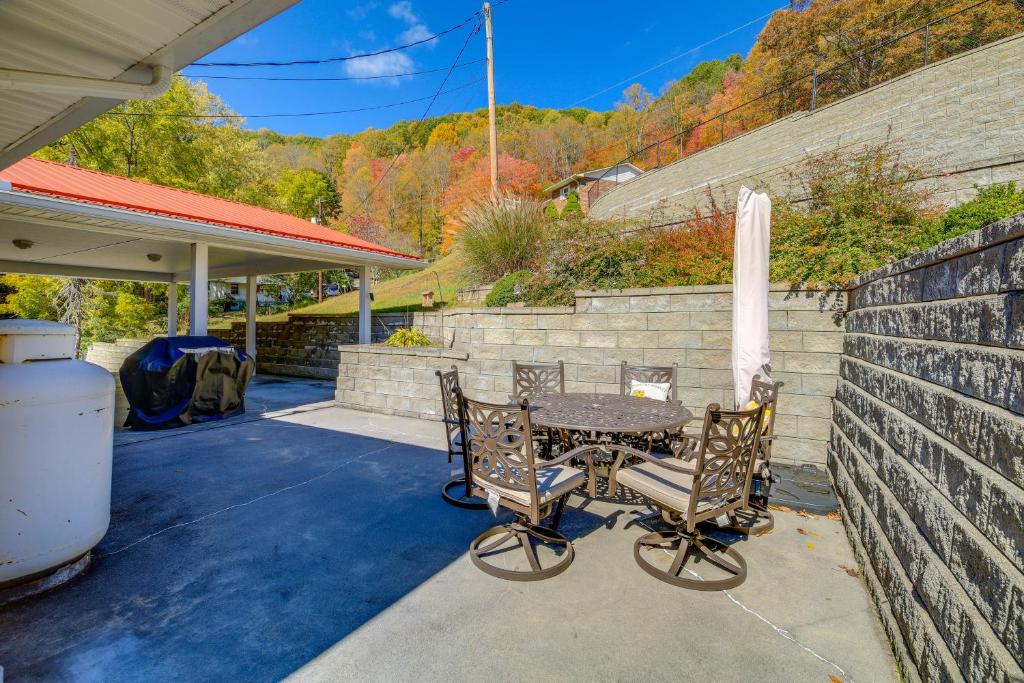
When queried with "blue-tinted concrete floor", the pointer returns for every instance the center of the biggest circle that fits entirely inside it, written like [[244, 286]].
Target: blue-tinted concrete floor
[[311, 540]]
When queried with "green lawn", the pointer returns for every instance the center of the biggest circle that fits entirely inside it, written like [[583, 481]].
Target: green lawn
[[399, 294]]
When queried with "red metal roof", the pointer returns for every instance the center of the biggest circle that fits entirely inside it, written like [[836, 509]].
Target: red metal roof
[[94, 187]]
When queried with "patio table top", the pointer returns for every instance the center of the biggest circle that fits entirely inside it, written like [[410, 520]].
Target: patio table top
[[607, 413]]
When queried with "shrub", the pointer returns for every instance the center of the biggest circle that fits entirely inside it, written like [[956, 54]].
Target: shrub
[[503, 235], [572, 205], [509, 289], [863, 212], [585, 254], [699, 252], [551, 211], [992, 203], [405, 338]]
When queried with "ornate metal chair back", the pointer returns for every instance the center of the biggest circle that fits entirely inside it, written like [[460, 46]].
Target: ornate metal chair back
[[649, 374], [725, 462], [450, 410], [530, 380], [767, 394], [500, 448]]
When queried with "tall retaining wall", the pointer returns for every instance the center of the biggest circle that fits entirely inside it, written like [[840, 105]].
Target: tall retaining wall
[[690, 326], [962, 118], [927, 452]]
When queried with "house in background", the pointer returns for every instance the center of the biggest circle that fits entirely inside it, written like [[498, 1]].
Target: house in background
[[591, 184]]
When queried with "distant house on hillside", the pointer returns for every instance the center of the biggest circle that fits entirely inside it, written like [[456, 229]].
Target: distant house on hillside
[[591, 184]]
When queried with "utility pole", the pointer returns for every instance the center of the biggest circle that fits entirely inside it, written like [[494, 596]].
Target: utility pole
[[319, 273], [491, 114]]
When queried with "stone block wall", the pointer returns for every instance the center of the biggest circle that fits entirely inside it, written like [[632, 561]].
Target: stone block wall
[[690, 326], [961, 118], [927, 452], [307, 346]]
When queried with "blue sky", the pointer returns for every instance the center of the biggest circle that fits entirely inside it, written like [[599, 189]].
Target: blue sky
[[548, 54]]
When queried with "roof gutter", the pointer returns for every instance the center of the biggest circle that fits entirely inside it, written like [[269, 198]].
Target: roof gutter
[[82, 86]]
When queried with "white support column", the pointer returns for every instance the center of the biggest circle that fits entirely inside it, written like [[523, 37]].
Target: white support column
[[365, 316], [250, 316], [172, 309], [199, 293]]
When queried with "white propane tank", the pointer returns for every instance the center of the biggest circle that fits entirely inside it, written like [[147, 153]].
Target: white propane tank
[[56, 448]]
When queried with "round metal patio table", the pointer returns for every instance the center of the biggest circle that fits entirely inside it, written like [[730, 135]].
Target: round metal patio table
[[588, 417]]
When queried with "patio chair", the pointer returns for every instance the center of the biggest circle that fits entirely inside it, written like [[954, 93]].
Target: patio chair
[[505, 471], [717, 484], [528, 380], [457, 490], [540, 378], [632, 379]]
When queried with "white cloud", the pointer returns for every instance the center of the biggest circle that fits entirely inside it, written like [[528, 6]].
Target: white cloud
[[403, 10], [380, 65], [415, 33], [361, 11]]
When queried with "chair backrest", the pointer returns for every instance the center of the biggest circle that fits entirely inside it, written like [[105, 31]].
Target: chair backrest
[[649, 374], [450, 406], [500, 446], [530, 380], [767, 394], [725, 462]]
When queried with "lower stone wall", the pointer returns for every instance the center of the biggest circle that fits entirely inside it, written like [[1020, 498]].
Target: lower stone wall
[[307, 346], [927, 452], [690, 326], [110, 356]]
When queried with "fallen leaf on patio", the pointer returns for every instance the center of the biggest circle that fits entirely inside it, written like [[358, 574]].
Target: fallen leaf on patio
[[779, 508], [805, 513], [833, 679], [801, 531], [810, 546], [835, 516]]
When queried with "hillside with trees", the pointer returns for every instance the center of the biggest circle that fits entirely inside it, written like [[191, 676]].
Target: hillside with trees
[[408, 186]]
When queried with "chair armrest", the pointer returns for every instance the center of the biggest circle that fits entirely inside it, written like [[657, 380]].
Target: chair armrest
[[580, 451]]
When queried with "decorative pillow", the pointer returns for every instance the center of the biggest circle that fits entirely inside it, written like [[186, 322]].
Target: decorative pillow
[[656, 390], [767, 415]]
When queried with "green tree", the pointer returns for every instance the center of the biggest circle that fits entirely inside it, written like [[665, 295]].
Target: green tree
[[307, 193], [572, 205]]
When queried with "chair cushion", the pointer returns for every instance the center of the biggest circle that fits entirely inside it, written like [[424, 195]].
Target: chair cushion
[[552, 482], [656, 390], [665, 487]]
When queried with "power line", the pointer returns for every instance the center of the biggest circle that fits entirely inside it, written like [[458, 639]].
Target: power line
[[419, 122], [331, 60], [296, 114], [798, 79], [328, 78], [672, 59]]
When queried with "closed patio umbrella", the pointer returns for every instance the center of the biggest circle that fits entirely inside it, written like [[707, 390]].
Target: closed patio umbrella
[[750, 354]]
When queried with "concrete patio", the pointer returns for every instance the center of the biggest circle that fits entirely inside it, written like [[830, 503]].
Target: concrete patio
[[309, 540]]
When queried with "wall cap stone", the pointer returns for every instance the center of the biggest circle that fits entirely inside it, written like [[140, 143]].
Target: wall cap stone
[[1001, 231], [693, 289], [425, 351]]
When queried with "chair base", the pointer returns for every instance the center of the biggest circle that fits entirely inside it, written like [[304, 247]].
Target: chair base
[[751, 521], [686, 546], [525, 534], [455, 492]]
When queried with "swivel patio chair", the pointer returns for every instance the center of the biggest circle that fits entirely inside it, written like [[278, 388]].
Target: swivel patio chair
[[540, 378], [633, 377], [529, 380], [756, 518], [505, 472], [717, 484], [457, 490]]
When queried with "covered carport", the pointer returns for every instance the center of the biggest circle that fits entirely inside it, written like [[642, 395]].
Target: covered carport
[[62, 220]]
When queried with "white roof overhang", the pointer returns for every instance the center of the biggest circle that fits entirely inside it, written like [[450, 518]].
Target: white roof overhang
[[61, 45]]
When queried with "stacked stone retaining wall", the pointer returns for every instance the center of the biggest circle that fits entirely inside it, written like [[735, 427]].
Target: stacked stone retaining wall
[[690, 326], [962, 119], [927, 452]]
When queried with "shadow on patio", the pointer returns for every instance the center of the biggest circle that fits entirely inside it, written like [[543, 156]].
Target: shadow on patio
[[316, 542]]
